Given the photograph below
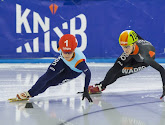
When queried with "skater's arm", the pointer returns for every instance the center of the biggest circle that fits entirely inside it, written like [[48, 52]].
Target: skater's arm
[[116, 68], [83, 67], [55, 68], [159, 68], [156, 66], [111, 74]]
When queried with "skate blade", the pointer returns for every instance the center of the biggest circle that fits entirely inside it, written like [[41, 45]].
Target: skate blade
[[90, 93], [95, 93], [15, 99]]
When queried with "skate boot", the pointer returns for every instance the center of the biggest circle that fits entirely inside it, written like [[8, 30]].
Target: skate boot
[[20, 97], [23, 96], [95, 89]]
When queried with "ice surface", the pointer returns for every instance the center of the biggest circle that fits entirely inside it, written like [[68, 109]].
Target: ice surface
[[131, 100]]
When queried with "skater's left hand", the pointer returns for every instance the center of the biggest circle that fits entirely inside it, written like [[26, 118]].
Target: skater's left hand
[[163, 92], [86, 95]]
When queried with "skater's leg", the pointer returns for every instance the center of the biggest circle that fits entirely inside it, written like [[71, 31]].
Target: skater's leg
[[54, 69], [132, 67], [62, 77], [41, 82]]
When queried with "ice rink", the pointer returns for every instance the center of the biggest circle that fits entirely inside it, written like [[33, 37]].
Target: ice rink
[[131, 100]]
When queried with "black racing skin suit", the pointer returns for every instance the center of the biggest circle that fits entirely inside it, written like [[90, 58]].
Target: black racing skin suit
[[142, 56]]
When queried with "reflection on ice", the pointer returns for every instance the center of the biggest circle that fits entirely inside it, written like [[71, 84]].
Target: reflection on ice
[[107, 108], [131, 100]]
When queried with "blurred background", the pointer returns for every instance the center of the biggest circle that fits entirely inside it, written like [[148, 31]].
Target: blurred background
[[30, 30]]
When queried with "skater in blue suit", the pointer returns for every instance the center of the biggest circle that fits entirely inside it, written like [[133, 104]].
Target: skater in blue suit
[[69, 65]]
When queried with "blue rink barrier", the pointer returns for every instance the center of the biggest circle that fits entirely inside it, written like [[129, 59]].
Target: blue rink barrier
[[50, 60]]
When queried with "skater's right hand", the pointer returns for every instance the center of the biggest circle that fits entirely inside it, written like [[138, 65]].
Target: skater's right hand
[[86, 95], [163, 92]]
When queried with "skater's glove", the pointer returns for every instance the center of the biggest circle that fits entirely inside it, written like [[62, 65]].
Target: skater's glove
[[163, 92], [86, 95]]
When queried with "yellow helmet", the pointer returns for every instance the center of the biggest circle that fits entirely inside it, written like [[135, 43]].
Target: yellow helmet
[[127, 38]]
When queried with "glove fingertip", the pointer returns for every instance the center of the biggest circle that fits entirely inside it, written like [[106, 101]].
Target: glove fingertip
[[90, 100]]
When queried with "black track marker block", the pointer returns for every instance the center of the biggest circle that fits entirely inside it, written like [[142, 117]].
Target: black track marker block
[[28, 105]]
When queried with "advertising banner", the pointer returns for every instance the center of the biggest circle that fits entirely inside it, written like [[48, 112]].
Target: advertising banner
[[32, 28]]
